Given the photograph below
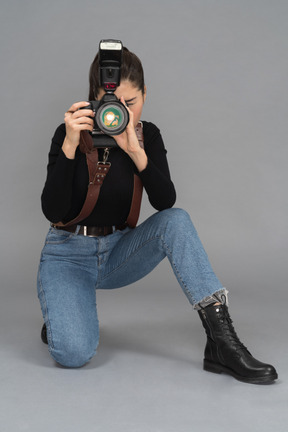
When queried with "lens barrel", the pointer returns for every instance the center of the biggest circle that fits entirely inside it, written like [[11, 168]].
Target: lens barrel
[[112, 117]]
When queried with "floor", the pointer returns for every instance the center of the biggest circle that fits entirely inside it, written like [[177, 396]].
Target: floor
[[147, 375]]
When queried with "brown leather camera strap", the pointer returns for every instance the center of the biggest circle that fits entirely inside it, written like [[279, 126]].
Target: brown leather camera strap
[[133, 216], [97, 173]]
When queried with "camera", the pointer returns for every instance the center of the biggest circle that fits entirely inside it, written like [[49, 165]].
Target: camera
[[111, 116]]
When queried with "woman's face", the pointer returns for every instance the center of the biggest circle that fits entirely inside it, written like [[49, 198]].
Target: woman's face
[[133, 97]]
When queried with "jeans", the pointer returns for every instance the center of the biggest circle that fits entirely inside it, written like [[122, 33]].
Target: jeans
[[73, 266]]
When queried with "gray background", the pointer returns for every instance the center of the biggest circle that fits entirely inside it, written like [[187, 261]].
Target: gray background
[[216, 73]]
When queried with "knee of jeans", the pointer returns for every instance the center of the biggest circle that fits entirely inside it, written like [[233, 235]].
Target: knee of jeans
[[73, 355], [177, 218]]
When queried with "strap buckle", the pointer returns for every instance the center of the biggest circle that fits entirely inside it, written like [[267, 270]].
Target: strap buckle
[[101, 172]]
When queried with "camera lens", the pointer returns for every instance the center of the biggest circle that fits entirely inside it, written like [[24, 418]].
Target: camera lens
[[112, 118]]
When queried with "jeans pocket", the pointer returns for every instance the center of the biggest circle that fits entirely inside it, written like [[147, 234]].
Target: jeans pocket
[[56, 236]]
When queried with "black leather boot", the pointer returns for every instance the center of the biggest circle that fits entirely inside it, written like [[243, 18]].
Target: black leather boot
[[224, 351], [44, 334]]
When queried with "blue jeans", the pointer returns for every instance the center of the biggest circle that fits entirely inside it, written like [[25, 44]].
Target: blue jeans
[[73, 266]]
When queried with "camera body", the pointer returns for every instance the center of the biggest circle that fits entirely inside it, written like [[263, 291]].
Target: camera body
[[111, 116]]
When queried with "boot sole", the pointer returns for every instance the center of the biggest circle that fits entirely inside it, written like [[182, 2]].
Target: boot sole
[[44, 334], [218, 369]]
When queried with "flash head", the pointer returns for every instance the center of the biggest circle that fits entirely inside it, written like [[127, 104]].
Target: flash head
[[110, 60]]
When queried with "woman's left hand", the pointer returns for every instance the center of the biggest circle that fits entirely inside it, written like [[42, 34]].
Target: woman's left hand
[[128, 142]]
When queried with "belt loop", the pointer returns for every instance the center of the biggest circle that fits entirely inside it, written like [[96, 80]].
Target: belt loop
[[77, 230]]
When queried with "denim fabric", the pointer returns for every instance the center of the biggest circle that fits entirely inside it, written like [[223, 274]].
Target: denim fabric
[[73, 266]]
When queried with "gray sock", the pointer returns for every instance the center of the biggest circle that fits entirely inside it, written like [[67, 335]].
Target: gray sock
[[220, 296]]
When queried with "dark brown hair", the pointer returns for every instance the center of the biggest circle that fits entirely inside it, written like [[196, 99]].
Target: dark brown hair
[[131, 70]]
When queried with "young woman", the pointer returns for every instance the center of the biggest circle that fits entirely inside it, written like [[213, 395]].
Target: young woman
[[102, 252]]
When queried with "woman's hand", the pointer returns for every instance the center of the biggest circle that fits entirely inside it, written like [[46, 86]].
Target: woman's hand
[[128, 142], [76, 120]]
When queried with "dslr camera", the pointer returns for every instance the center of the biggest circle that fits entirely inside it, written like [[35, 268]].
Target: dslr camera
[[111, 116]]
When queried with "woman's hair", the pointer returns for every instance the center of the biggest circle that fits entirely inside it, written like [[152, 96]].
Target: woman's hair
[[131, 70]]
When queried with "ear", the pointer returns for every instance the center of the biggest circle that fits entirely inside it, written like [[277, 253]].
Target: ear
[[145, 93]]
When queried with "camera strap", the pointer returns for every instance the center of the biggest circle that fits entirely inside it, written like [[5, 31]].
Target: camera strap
[[97, 173], [133, 216]]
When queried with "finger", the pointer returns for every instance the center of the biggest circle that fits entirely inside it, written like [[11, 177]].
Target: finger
[[121, 140], [77, 105], [124, 103], [81, 126], [131, 115], [83, 112], [79, 121], [120, 136], [84, 119]]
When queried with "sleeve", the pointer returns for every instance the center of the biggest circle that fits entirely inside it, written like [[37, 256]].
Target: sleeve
[[156, 176], [57, 193]]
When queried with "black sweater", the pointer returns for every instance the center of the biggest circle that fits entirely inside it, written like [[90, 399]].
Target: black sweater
[[67, 181]]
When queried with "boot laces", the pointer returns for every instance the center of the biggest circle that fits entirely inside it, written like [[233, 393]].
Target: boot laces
[[227, 324]]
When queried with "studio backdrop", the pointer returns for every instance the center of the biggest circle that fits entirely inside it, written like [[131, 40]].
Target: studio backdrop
[[216, 76]]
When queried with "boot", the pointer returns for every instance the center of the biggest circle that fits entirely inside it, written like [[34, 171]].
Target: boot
[[44, 334], [224, 351]]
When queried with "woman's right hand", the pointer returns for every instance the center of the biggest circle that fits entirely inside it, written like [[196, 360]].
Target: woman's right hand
[[76, 120]]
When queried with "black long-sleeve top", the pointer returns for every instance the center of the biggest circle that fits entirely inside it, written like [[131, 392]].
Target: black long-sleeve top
[[66, 185]]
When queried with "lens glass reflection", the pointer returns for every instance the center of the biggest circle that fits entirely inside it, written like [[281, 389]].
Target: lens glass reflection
[[112, 117]]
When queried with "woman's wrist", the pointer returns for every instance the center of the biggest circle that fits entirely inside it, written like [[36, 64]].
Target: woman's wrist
[[139, 158], [69, 148]]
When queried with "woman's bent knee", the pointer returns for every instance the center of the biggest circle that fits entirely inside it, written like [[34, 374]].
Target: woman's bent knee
[[73, 357], [175, 214], [176, 218]]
